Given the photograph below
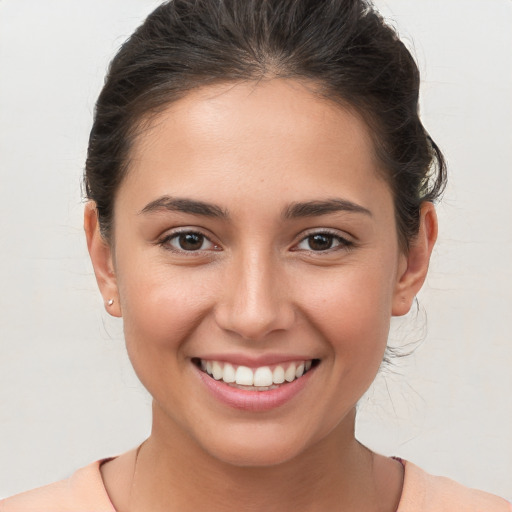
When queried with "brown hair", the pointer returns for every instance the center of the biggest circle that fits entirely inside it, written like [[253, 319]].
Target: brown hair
[[342, 46]]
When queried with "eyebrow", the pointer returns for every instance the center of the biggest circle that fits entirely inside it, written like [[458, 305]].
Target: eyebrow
[[176, 204], [293, 211], [315, 208]]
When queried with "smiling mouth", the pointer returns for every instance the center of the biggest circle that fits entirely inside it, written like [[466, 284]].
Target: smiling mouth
[[263, 378]]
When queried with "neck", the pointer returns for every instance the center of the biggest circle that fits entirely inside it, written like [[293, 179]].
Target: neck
[[173, 473]]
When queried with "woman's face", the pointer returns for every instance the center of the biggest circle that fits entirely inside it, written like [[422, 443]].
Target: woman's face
[[253, 230]]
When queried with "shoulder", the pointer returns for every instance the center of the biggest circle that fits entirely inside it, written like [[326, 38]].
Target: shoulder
[[423, 492], [82, 492]]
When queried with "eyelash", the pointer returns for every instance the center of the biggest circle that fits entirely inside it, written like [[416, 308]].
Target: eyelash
[[343, 243], [165, 242]]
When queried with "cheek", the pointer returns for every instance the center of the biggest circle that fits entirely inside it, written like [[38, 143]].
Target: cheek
[[351, 310], [162, 304], [161, 310]]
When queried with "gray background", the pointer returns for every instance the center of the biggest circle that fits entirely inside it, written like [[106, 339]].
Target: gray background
[[68, 395]]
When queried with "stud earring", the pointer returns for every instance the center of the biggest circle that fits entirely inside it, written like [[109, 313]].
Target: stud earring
[[110, 302]]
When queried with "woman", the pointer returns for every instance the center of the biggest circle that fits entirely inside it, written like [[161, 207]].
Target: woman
[[261, 204]]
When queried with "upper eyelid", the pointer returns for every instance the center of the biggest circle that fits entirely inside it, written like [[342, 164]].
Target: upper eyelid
[[168, 234], [325, 231]]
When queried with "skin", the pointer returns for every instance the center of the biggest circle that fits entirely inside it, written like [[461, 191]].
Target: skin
[[256, 287]]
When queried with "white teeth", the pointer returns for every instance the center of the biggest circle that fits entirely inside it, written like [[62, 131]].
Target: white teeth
[[217, 371], [263, 376], [229, 373], [278, 375], [244, 376], [289, 374]]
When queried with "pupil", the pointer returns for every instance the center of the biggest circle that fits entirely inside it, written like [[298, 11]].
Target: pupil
[[320, 242], [191, 241]]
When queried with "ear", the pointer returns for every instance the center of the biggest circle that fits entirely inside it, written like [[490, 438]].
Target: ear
[[101, 257], [414, 269]]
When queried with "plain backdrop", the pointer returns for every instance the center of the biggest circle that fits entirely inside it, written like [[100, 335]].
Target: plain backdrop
[[68, 395]]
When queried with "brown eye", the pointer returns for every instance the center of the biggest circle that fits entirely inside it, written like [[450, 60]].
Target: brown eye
[[320, 242], [189, 241], [323, 242]]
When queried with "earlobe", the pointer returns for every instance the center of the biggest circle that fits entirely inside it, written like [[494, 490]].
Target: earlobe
[[101, 258], [412, 276]]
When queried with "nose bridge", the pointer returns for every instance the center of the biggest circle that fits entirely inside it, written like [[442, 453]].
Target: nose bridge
[[255, 299]]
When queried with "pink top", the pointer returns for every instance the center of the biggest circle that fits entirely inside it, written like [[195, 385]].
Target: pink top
[[84, 491]]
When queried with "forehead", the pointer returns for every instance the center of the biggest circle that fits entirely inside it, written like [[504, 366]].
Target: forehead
[[268, 135]]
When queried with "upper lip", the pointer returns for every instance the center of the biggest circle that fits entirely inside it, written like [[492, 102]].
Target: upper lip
[[255, 361]]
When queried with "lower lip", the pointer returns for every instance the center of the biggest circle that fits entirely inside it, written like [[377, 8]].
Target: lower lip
[[254, 400]]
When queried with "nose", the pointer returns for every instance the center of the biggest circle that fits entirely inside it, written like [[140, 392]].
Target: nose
[[255, 300]]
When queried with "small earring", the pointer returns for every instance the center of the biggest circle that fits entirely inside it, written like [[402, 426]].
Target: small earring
[[110, 302]]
